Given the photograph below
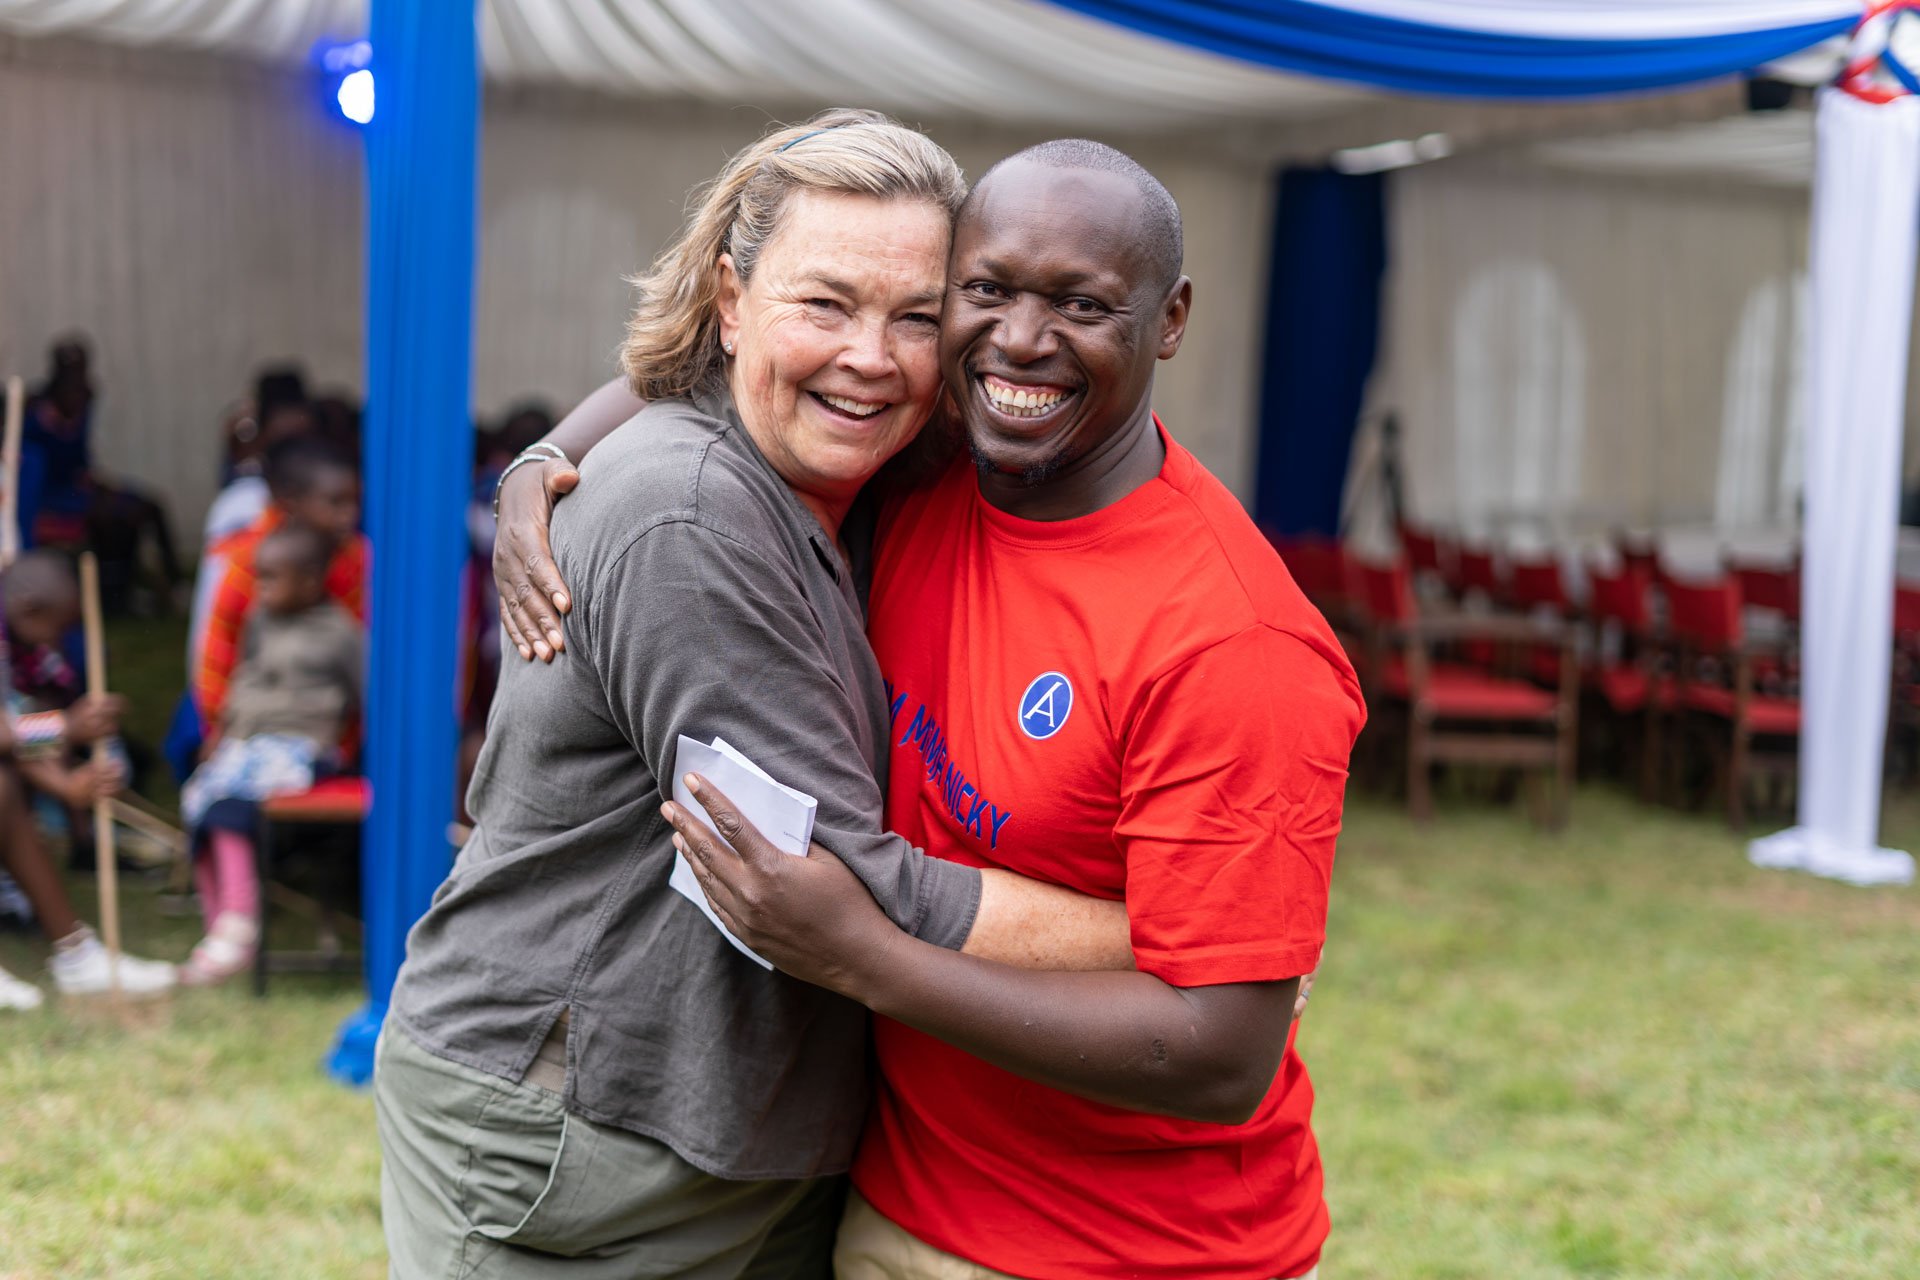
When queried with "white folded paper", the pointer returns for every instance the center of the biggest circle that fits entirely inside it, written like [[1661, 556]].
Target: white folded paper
[[781, 814]]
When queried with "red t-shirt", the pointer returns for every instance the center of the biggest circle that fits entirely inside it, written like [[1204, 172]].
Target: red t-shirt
[[1138, 703]]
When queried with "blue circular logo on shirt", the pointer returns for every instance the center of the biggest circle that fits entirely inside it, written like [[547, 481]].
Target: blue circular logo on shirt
[[1045, 705]]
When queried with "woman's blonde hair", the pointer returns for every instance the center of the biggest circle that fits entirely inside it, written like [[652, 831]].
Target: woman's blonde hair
[[673, 339]]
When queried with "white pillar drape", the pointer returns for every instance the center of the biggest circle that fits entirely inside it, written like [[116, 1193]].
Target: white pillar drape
[[1866, 215]]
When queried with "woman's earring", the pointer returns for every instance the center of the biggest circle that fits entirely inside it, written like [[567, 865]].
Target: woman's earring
[[727, 347]]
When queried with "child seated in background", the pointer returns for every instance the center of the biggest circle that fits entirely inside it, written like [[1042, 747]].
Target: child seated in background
[[42, 602], [287, 709], [315, 485]]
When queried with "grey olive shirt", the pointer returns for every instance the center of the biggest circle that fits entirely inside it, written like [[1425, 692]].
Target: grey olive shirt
[[707, 600]]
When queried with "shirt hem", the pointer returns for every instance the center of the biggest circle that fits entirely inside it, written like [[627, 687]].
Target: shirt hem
[[1218, 970], [1091, 1269], [700, 1159]]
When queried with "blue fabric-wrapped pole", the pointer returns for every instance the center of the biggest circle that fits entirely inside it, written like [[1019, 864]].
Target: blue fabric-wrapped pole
[[421, 145], [1323, 326]]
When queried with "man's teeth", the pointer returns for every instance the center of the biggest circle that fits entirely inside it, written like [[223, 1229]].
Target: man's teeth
[[1019, 402], [858, 408]]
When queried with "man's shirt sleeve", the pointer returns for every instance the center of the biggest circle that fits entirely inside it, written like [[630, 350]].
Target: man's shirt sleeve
[[695, 632], [1232, 781]]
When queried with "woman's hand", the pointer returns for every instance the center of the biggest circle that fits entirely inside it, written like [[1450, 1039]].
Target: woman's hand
[[810, 917], [532, 595], [1306, 987]]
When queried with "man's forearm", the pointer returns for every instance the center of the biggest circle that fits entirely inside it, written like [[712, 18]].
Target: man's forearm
[[594, 419], [1036, 925], [1127, 1039]]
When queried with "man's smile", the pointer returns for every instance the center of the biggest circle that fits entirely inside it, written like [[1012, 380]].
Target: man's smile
[[1027, 404]]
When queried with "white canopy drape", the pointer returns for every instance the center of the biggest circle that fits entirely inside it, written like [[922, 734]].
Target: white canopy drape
[[1866, 196], [1007, 60]]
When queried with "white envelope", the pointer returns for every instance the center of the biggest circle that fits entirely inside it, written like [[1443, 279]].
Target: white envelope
[[781, 814]]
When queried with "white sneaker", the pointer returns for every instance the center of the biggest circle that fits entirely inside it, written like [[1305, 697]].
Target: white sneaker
[[226, 951], [16, 994], [80, 969]]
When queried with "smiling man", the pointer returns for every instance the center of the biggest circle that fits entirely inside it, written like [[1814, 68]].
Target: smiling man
[[1101, 675]]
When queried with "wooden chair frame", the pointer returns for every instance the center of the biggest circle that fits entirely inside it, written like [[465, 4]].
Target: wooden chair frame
[[1433, 738], [331, 955], [1743, 749]]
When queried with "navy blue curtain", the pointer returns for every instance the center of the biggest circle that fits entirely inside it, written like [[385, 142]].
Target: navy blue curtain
[[1323, 326], [1341, 44], [419, 462]]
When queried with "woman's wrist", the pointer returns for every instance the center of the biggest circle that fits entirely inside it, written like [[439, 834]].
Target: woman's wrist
[[534, 456]]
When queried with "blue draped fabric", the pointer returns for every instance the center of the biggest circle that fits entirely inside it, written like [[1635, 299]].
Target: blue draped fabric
[[1323, 323], [419, 460], [1340, 44]]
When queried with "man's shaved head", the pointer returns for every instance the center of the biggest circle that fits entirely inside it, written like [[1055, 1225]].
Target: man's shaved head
[[1161, 235]]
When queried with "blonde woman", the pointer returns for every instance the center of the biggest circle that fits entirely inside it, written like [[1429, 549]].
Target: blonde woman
[[581, 1076]]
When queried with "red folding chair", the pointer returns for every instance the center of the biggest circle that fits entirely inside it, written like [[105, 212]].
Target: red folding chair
[[1903, 707], [1461, 713], [1628, 673], [1476, 572], [1750, 731], [1429, 555], [1535, 586], [1775, 588], [1640, 555]]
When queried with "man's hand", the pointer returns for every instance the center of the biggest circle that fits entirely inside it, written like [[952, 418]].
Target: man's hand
[[1125, 1038], [94, 717], [532, 595], [82, 787], [810, 917]]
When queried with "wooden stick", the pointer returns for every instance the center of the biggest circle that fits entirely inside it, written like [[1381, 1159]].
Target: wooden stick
[[103, 851], [10, 472], [134, 800], [156, 829]]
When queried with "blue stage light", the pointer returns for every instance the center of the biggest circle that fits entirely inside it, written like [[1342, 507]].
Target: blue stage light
[[356, 96], [339, 58]]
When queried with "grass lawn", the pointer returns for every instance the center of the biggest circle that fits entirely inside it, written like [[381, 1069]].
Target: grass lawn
[[1614, 1052]]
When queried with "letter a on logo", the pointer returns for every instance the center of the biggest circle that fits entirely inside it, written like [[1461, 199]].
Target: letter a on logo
[[1045, 705]]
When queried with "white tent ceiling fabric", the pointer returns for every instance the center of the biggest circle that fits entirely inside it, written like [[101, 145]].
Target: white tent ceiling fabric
[[1006, 60]]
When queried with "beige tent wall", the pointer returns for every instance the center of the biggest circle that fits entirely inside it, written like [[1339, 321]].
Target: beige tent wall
[[1573, 353], [1585, 352], [198, 217], [195, 220], [575, 194]]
